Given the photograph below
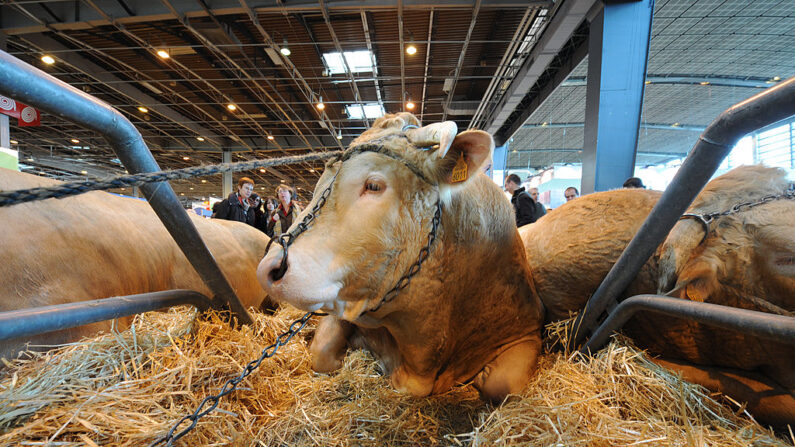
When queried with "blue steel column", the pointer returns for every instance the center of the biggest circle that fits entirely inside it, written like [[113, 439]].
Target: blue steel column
[[499, 162], [617, 54]]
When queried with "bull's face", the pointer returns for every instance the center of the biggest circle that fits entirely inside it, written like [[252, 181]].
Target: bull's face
[[375, 220]]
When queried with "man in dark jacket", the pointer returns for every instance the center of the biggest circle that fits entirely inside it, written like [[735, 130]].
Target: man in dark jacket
[[239, 205], [523, 205]]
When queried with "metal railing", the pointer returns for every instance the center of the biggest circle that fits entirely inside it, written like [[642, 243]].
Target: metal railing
[[39, 320], [760, 324], [32, 86], [714, 144]]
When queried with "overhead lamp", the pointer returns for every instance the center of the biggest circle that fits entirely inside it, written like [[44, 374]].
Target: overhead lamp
[[262, 171], [186, 158], [74, 140], [704, 82], [675, 125], [204, 181], [647, 82], [776, 78], [282, 180], [13, 141], [311, 170], [284, 50], [163, 54], [200, 138], [320, 105], [84, 172], [410, 105], [411, 49], [270, 137], [143, 109], [231, 107], [261, 187], [191, 188], [47, 59]]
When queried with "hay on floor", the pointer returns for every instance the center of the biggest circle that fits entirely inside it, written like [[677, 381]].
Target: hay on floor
[[129, 388]]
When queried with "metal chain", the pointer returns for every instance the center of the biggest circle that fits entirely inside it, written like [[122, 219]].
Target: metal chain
[[75, 188], [404, 281], [231, 385], [707, 218]]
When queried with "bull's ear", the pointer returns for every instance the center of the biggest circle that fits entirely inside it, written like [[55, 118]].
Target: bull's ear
[[468, 154], [696, 283]]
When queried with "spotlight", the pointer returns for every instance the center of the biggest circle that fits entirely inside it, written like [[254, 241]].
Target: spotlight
[[47, 59], [411, 49], [410, 105], [200, 138], [320, 105], [270, 137], [163, 54], [143, 109], [74, 140], [231, 107], [186, 158]]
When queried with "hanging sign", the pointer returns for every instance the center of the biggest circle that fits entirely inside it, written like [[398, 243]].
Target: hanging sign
[[25, 114]]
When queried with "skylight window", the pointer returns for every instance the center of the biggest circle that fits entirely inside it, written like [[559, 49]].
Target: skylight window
[[358, 61], [371, 111]]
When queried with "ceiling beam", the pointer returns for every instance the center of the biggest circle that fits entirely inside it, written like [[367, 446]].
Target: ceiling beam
[[76, 16], [554, 38], [662, 126]]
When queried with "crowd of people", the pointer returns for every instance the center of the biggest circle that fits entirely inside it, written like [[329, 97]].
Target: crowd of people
[[271, 216], [525, 201]]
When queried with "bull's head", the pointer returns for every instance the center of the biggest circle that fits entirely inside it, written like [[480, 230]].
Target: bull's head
[[377, 216]]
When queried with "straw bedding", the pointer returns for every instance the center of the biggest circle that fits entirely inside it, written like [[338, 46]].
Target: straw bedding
[[128, 388]]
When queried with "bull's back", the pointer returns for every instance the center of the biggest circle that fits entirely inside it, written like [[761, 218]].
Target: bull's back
[[573, 247], [98, 245]]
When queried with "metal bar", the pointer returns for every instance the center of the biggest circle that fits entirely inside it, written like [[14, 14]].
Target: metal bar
[[765, 108], [32, 86], [761, 324], [38, 320], [461, 56]]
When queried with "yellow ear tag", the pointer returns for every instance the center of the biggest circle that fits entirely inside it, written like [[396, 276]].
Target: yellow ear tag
[[459, 171]]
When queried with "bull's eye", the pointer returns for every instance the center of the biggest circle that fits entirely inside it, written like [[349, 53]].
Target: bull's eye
[[373, 185]]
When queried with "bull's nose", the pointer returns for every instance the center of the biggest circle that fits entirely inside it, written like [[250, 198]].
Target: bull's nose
[[273, 267]]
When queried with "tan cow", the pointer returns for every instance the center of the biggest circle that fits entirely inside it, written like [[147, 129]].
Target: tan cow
[[471, 311], [98, 245], [745, 262]]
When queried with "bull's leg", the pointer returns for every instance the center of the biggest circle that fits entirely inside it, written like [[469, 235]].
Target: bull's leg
[[330, 344], [510, 371], [769, 402]]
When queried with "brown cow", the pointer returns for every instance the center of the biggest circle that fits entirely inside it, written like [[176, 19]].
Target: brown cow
[[745, 262], [471, 311], [98, 245]]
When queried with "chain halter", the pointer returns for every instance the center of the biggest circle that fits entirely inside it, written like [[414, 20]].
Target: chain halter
[[287, 239], [708, 218]]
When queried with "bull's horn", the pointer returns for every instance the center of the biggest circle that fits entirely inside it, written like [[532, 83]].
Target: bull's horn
[[442, 134]]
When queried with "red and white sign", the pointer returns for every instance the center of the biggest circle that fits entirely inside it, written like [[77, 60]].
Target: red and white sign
[[26, 115]]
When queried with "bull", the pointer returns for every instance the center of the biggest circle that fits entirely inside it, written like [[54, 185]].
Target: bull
[[98, 245], [742, 260], [469, 312]]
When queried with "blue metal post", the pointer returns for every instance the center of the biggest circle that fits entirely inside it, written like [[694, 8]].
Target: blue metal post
[[617, 54]]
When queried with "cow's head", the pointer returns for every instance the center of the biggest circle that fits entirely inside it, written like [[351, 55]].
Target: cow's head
[[377, 216]]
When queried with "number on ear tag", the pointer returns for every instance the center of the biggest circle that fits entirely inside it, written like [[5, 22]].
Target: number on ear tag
[[459, 171]]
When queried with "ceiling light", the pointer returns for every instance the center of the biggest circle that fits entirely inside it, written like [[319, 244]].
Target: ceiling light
[[47, 59], [311, 170], [270, 137], [410, 105], [231, 107], [163, 54], [143, 109], [262, 171], [704, 82], [339, 134], [411, 49], [30, 158], [544, 124], [282, 181], [261, 187], [14, 142], [200, 138], [647, 82], [191, 188], [776, 78], [186, 158], [74, 140], [204, 181], [84, 172], [675, 125], [320, 105], [284, 50], [182, 193], [123, 189]]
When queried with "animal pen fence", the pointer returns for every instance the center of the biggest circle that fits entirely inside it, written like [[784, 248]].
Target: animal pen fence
[[601, 317]]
